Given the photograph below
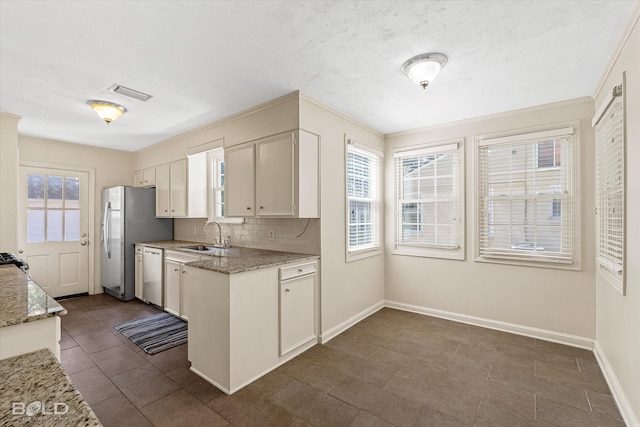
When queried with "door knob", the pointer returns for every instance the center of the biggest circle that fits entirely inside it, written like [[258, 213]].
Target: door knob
[[83, 243]]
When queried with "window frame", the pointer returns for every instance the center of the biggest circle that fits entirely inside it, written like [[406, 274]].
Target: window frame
[[377, 202], [607, 265], [424, 249], [215, 158], [572, 162]]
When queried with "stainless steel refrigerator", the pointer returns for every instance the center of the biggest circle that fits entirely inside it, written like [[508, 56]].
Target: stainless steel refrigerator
[[128, 217]]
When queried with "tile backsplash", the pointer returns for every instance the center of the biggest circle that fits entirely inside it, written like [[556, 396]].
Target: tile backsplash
[[288, 233]]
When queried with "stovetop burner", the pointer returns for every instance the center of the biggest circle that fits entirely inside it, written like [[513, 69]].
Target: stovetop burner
[[9, 258]]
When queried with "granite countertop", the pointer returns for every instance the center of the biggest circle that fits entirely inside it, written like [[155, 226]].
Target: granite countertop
[[36, 391], [22, 300], [237, 259]]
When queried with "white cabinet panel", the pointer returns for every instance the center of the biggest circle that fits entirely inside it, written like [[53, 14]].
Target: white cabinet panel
[[171, 189], [197, 183], [172, 273], [239, 181], [275, 176], [297, 310]]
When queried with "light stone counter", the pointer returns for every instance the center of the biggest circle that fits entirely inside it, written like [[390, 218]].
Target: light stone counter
[[237, 259], [22, 300], [34, 390]]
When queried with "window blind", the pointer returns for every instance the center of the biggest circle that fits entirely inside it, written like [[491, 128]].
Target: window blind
[[428, 197], [363, 193], [528, 208], [610, 209]]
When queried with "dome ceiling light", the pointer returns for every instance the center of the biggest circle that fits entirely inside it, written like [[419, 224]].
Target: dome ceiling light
[[423, 69], [107, 111]]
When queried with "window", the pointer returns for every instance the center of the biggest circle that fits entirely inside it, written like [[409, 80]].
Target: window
[[430, 201], [53, 208], [610, 197], [363, 200], [528, 207], [548, 154], [215, 172]]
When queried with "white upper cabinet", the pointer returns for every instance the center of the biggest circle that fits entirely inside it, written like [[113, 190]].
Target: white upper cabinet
[[197, 199], [275, 177], [171, 189], [145, 178], [239, 182]]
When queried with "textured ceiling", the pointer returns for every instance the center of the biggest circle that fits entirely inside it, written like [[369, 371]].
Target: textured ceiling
[[204, 60]]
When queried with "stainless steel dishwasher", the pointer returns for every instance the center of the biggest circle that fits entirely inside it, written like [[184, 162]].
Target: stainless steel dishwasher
[[152, 275]]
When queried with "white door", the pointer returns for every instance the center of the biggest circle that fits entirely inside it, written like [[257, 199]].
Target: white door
[[54, 228]]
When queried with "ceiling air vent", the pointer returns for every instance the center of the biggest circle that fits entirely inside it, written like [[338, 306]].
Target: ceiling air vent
[[140, 96]]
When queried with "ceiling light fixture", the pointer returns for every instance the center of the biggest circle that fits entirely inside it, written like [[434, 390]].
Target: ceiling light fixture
[[423, 69], [107, 111]]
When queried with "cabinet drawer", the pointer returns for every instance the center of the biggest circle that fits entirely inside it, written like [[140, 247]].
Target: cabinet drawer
[[298, 270], [180, 256]]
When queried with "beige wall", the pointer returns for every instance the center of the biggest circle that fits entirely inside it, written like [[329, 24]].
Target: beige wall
[[273, 117], [348, 289], [109, 167], [618, 316], [9, 181], [558, 304]]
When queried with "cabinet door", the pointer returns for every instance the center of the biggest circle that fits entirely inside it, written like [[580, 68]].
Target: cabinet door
[[239, 185], [178, 188], [138, 274], [184, 295], [297, 312], [138, 179], [162, 191], [275, 176], [149, 177], [197, 183], [172, 273]]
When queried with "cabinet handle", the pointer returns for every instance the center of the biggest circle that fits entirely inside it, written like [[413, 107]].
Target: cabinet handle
[[175, 269], [299, 270], [248, 208], [166, 210], [287, 290], [184, 272], [261, 207]]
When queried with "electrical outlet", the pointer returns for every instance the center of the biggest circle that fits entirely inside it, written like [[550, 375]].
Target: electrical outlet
[[272, 235]]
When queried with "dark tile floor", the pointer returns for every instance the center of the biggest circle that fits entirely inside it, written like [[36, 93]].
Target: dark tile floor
[[393, 368]]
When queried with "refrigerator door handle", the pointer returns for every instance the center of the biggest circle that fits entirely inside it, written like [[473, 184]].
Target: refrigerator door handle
[[106, 229]]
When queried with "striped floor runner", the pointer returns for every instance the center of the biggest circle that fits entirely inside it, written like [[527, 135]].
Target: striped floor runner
[[155, 333]]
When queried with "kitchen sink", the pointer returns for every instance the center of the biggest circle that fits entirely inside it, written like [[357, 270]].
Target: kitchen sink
[[207, 250]]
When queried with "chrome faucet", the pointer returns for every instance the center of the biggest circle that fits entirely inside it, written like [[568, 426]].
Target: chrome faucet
[[218, 240]]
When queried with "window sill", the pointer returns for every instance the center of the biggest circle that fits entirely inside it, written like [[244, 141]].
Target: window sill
[[453, 254], [362, 254], [523, 263]]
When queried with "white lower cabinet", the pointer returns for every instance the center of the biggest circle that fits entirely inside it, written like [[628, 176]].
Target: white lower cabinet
[[297, 306], [238, 323], [174, 289]]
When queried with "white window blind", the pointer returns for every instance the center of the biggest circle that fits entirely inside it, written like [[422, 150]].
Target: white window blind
[[363, 198], [528, 208], [610, 209], [428, 197]]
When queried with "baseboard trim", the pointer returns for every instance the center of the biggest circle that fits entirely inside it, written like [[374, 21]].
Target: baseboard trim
[[327, 336], [543, 334], [616, 388]]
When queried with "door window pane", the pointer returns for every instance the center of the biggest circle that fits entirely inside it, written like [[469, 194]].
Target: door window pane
[[54, 225], [35, 225], [54, 192], [35, 191], [72, 193], [72, 225]]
